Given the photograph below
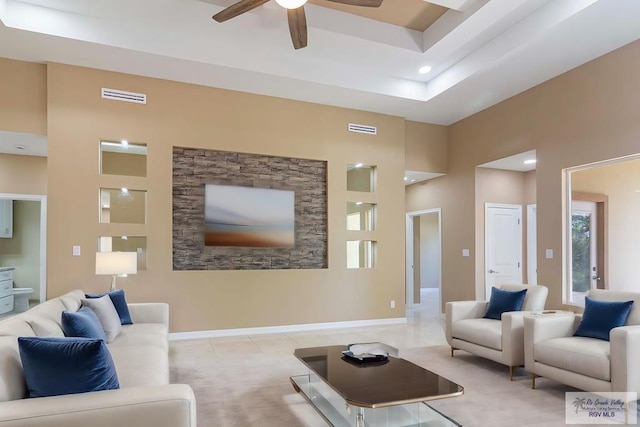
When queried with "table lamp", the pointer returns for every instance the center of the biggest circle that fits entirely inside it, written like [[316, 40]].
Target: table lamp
[[116, 264]]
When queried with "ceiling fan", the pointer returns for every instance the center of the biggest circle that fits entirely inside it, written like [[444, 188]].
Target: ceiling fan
[[295, 14]]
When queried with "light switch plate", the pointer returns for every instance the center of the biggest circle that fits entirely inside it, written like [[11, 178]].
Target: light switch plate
[[465, 252], [549, 253], [76, 251]]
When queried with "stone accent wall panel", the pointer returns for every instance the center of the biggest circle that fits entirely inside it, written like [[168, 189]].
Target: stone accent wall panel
[[194, 168]]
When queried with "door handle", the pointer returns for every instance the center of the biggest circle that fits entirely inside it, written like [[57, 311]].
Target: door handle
[[594, 277], [492, 271]]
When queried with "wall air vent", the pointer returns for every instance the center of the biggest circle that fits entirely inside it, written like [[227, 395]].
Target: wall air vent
[[121, 95], [371, 130]]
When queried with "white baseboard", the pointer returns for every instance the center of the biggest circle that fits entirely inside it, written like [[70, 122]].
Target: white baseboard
[[282, 329]]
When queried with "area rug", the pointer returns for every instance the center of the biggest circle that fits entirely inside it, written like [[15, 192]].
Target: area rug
[[254, 390]]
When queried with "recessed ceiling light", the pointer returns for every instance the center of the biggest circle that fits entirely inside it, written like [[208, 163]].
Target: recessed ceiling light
[[125, 238], [424, 70], [124, 190], [358, 165], [358, 203], [125, 142], [406, 179], [529, 162], [413, 180]]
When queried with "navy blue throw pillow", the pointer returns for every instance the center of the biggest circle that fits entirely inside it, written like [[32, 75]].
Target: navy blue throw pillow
[[83, 323], [56, 366], [119, 302], [600, 317], [503, 301]]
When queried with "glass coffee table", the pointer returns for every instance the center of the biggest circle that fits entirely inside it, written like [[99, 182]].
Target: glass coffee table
[[390, 393]]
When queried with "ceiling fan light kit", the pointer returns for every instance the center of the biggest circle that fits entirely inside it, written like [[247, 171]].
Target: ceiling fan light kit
[[291, 4], [295, 14]]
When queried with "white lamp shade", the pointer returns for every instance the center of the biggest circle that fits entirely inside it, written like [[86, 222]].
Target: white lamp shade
[[116, 263]]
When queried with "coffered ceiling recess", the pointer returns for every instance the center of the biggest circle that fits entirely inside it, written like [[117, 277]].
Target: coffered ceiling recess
[[480, 51]]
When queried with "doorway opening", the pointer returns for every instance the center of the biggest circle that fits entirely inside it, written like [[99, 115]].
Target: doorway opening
[[600, 227], [424, 261], [506, 225], [26, 249]]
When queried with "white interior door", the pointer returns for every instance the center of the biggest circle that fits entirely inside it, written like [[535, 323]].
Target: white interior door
[[503, 245]]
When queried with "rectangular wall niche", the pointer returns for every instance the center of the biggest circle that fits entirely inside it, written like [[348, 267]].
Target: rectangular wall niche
[[193, 169]]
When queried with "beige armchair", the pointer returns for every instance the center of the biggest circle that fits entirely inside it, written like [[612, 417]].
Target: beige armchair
[[499, 340], [590, 364]]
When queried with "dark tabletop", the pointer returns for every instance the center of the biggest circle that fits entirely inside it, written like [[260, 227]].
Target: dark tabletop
[[377, 384]]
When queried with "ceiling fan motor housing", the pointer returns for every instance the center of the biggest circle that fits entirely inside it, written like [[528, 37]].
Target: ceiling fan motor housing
[[295, 14]]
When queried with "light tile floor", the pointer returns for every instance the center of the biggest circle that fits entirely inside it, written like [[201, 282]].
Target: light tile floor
[[243, 381], [227, 372], [424, 327]]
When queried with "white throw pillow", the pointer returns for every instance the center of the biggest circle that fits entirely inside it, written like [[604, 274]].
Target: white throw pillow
[[107, 315]]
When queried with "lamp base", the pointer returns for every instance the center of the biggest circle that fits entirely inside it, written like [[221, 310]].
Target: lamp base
[[113, 283]]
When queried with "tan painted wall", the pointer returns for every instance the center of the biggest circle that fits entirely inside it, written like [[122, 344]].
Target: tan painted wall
[[588, 114], [417, 268], [23, 250], [530, 187], [620, 182], [201, 117], [425, 147], [429, 251], [23, 174], [23, 103]]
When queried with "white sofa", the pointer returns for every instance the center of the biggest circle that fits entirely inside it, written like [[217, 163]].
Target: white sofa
[[589, 364], [499, 340], [141, 357]]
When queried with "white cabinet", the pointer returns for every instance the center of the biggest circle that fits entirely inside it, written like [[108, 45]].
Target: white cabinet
[[6, 218], [6, 291]]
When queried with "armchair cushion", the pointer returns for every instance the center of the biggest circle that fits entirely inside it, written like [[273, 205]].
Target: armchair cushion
[[586, 356], [504, 301], [485, 332], [601, 316]]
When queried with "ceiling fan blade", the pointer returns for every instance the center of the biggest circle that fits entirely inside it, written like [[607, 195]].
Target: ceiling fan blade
[[366, 3], [298, 27], [238, 9]]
